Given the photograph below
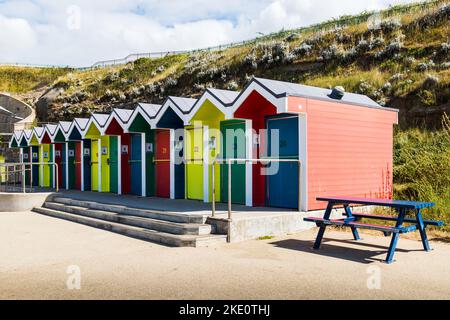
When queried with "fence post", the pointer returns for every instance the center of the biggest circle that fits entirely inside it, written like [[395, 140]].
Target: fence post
[[299, 186], [229, 189], [213, 190], [23, 178], [57, 176]]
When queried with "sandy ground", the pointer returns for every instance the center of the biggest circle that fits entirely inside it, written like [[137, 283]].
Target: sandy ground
[[37, 251]]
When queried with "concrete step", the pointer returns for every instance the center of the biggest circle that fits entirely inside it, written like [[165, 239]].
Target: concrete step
[[145, 213], [168, 239], [136, 221]]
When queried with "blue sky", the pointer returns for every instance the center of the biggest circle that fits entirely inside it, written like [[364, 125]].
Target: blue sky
[[79, 33]]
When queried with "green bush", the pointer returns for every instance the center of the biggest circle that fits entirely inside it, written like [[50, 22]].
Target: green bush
[[422, 170]]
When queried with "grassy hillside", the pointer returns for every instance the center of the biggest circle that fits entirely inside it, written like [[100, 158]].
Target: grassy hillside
[[400, 58], [400, 61], [422, 169], [19, 80]]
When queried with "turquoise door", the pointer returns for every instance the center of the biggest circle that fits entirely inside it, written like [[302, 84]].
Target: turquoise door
[[114, 164], [136, 164], [282, 184], [35, 170]]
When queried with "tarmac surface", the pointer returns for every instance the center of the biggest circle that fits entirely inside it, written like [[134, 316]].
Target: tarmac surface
[[47, 258]]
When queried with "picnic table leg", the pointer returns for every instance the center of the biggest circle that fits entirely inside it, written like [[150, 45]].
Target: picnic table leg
[[350, 217], [394, 240], [423, 233], [326, 216]]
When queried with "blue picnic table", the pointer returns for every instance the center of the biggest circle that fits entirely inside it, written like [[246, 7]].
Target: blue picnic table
[[353, 219]]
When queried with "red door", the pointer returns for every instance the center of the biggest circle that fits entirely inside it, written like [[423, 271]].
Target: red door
[[58, 160], [78, 177], [125, 163], [162, 162]]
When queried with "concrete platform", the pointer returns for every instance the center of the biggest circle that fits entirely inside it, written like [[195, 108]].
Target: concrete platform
[[246, 222]]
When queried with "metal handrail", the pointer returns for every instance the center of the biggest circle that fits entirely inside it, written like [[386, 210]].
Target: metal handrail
[[245, 161], [23, 166]]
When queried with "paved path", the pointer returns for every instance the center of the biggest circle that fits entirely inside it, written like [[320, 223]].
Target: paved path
[[163, 204], [35, 252]]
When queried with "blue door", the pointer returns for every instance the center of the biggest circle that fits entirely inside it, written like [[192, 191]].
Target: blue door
[[87, 164], [136, 164], [35, 158], [179, 173], [282, 184]]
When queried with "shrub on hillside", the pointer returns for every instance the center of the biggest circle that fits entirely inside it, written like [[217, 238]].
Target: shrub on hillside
[[388, 26], [303, 50], [422, 170]]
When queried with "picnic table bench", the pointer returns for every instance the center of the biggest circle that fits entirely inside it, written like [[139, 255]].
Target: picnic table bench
[[353, 219]]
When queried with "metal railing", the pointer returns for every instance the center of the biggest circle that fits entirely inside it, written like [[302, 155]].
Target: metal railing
[[245, 161], [18, 174]]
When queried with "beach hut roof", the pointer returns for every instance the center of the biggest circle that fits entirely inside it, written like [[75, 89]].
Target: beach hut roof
[[39, 131], [17, 134], [281, 89], [80, 124], [65, 126], [222, 99], [276, 91], [227, 97], [51, 129], [122, 116], [148, 111], [180, 105]]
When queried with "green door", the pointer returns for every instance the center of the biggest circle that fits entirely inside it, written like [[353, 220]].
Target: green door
[[233, 146], [71, 164], [114, 164]]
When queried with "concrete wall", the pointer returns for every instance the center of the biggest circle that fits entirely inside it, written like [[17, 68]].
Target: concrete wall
[[19, 202], [248, 226]]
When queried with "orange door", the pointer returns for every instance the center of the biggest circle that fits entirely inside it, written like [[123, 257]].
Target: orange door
[[162, 162]]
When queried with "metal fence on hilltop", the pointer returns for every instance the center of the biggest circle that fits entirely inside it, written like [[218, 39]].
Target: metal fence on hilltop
[[334, 23]]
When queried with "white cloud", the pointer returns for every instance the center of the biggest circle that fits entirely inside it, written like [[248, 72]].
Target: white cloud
[[16, 35], [36, 31]]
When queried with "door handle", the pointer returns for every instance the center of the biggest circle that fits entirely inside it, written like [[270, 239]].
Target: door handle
[[134, 161], [161, 160]]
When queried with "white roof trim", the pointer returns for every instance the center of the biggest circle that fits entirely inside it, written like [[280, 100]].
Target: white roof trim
[[61, 127], [93, 120], [75, 124], [279, 103], [207, 95], [144, 114], [170, 104], [114, 115], [50, 134], [28, 135], [40, 136], [17, 135]]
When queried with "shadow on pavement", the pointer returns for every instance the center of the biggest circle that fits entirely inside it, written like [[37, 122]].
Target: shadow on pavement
[[364, 256]]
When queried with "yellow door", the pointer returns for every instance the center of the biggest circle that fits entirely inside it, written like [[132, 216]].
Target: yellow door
[[94, 165], [214, 151], [194, 163], [45, 158]]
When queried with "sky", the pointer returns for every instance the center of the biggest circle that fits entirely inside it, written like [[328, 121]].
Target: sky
[[80, 33]]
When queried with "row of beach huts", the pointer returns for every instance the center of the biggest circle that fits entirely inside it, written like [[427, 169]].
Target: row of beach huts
[[332, 143]]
